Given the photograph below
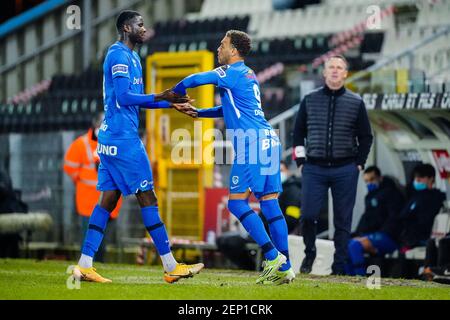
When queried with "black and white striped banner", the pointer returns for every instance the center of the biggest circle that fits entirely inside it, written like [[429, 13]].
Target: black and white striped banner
[[405, 101]]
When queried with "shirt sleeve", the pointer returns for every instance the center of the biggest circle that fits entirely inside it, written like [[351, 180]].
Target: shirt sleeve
[[119, 65], [364, 133], [215, 112], [195, 80], [126, 98], [222, 77], [226, 77]]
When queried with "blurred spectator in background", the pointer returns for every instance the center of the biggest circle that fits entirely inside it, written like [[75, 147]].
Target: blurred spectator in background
[[383, 202], [289, 199], [232, 244], [376, 228], [420, 211], [9, 203], [409, 229], [81, 163]]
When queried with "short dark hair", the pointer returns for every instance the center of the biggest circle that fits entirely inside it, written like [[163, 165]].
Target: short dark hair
[[241, 41], [124, 18], [373, 169], [424, 170], [339, 56]]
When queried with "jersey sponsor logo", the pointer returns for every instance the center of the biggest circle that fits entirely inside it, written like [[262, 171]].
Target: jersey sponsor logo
[[144, 184], [267, 143], [221, 71], [235, 179], [250, 74], [259, 113], [234, 187], [119, 68], [270, 132], [106, 150], [138, 80]]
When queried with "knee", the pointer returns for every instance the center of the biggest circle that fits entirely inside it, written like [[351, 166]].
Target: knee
[[235, 205], [109, 205], [271, 210], [147, 199], [354, 246], [153, 201], [238, 207], [108, 200]]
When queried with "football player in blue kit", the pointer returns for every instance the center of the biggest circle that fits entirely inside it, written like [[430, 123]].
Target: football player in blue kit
[[257, 152], [124, 164]]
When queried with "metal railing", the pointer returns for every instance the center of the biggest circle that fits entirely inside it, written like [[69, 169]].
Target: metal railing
[[86, 30], [408, 52], [280, 122]]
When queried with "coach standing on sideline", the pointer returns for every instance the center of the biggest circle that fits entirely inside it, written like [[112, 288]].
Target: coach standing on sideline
[[333, 122]]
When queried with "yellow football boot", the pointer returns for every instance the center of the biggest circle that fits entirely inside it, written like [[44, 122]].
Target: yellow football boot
[[182, 271], [88, 274]]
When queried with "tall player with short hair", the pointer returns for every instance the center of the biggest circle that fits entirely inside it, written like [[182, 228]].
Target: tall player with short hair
[[252, 170], [124, 164]]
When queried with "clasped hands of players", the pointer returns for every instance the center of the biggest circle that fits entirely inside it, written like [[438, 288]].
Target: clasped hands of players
[[178, 102]]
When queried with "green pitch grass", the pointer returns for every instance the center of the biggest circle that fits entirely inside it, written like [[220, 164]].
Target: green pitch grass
[[30, 279]]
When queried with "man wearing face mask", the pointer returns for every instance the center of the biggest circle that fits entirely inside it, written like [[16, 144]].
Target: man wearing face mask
[[421, 209], [411, 228], [382, 203], [81, 163]]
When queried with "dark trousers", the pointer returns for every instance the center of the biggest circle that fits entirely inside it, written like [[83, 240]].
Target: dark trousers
[[316, 180], [438, 256]]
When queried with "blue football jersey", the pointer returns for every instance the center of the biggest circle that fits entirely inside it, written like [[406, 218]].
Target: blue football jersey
[[241, 98], [121, 122]]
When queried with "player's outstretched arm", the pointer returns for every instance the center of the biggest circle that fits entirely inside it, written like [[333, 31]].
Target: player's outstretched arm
[[186, 108], [149, 101], [215, 112], [172, 97], [127, 98], [195, 80]]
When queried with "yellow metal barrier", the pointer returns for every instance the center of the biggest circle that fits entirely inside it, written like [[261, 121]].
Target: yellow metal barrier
[[180, 186]]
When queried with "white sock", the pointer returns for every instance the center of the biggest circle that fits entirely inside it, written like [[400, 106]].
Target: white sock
[[85, 261], [169, 262]]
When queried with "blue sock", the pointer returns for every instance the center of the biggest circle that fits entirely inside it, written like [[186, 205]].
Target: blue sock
[[96, 229], [156, 228], [356, 253], [277, 227], [254, 226]]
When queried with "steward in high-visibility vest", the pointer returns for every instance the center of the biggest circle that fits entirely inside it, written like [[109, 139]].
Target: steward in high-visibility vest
[[81, 164]]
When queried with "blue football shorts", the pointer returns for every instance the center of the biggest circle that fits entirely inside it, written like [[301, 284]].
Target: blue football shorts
[[124, 166], [382, 242], [257, 168]]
